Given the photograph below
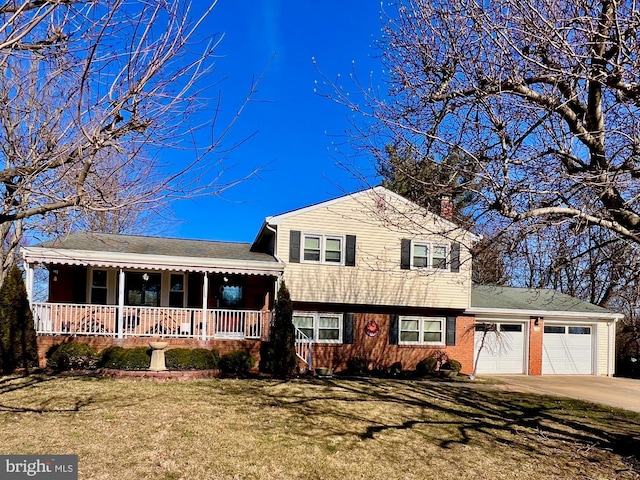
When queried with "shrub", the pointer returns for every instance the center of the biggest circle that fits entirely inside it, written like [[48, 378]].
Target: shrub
[[191, 359], [237, 362], [18, 347], [72, 356], [426, 366], [281, 357], [120, 358], [358, 366], [452, 364]]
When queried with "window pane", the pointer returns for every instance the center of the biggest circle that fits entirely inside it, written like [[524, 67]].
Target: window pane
[[99, 278], [312, 243], [432, 337], [510, 328], [409, 325], [329, 322], [303, 322], [332, 256], [579, 330], [176, 299], [331, 334], [142, 289], [409, 336], [307, 331], [99, 296], [439, 257], [420, 250], [177, 283], [333, 244], [432, 326], [552, 329]]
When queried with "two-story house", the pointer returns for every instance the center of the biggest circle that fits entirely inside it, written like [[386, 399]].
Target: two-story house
[[372, 277]]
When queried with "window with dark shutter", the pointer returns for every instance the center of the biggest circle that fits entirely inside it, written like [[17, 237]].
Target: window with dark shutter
[[393, 329], [450, 336], [455, 257], [350, 254], [347, 332], [294, 246], [405, 254]]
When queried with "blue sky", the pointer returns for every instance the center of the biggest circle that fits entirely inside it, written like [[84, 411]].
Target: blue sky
[[299, 135]]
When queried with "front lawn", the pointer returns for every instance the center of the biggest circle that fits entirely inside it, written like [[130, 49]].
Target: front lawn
[[312, 429]]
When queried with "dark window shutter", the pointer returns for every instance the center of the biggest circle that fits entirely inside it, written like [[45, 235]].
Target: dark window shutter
[[405, 254], [455, 257], [450, 338], [294, 246], [350, 254], [393, 329], [347, 332]]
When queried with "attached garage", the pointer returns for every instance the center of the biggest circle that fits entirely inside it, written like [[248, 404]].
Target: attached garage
[[536, 331], [567, 349], [500, 347]]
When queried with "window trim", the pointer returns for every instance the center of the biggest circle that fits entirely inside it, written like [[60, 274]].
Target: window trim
[[431, 248], [421, 322], [323, 248], [316, 325]]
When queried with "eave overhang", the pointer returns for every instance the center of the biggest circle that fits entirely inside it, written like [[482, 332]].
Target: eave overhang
[[102, 259]]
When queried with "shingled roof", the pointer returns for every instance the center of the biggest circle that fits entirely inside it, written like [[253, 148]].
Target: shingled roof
[[134, 244], [529, 299]]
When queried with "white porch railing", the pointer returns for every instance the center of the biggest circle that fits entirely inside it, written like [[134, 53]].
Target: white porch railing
[[80, 319], [304, 348]]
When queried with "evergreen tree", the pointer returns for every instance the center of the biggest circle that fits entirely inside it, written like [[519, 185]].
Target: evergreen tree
[[282, 349], [17, 332]]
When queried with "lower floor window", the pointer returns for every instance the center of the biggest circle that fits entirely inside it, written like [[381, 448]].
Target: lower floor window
[[422, 330], [321, 327]]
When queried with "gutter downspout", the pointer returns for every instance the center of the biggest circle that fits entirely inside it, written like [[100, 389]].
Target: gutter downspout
[[611, 354], [280, 275]]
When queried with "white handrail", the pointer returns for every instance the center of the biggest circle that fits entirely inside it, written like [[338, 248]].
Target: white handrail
[[139, 321], [304, 348]]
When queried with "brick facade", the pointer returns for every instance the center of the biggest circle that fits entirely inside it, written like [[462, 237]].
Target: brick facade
[[535, 346], [381, 354]]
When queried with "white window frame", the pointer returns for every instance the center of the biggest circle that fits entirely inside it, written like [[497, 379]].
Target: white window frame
[[323, 248], [431, 248], [316, 324], [421, 325]]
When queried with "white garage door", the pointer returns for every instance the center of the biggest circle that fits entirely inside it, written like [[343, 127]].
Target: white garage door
[[503, 350], [567, 349]]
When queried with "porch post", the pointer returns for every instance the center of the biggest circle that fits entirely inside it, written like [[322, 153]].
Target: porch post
[[205, 302], [29, 282], [120, 319]]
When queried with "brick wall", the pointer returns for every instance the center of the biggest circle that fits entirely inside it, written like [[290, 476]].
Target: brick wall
[[382, 355], [535, 346]]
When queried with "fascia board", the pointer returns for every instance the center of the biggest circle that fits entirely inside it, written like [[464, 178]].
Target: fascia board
[[548, 314], [138, 261]]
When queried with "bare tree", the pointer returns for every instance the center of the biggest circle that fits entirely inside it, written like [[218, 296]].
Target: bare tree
[[543, 96], [92, 97]]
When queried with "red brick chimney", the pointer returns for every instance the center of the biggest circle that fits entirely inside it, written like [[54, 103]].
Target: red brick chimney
[[446, 207]]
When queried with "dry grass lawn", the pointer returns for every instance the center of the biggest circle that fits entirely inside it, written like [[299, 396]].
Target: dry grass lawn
[[312, 429]]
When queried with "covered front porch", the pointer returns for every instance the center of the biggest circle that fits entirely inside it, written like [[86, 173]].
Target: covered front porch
[[120, 286]]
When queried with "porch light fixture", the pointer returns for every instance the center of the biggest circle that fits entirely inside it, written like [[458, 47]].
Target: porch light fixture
[[145, 277], [536, 322], [225, 279]]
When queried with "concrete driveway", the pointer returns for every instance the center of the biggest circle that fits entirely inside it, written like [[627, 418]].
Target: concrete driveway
[[613, 391]]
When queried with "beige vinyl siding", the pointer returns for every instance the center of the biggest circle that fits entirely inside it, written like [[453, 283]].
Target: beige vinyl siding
[[377, 279], [604, 348]]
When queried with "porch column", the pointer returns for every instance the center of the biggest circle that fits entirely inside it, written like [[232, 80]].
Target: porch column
[[29, 282], [205, 302], [120, 319]]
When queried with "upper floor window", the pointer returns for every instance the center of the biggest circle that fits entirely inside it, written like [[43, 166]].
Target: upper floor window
[[323, 248], [419, 254]]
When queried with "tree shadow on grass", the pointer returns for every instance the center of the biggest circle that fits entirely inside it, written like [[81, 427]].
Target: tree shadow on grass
[[520, 420]]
